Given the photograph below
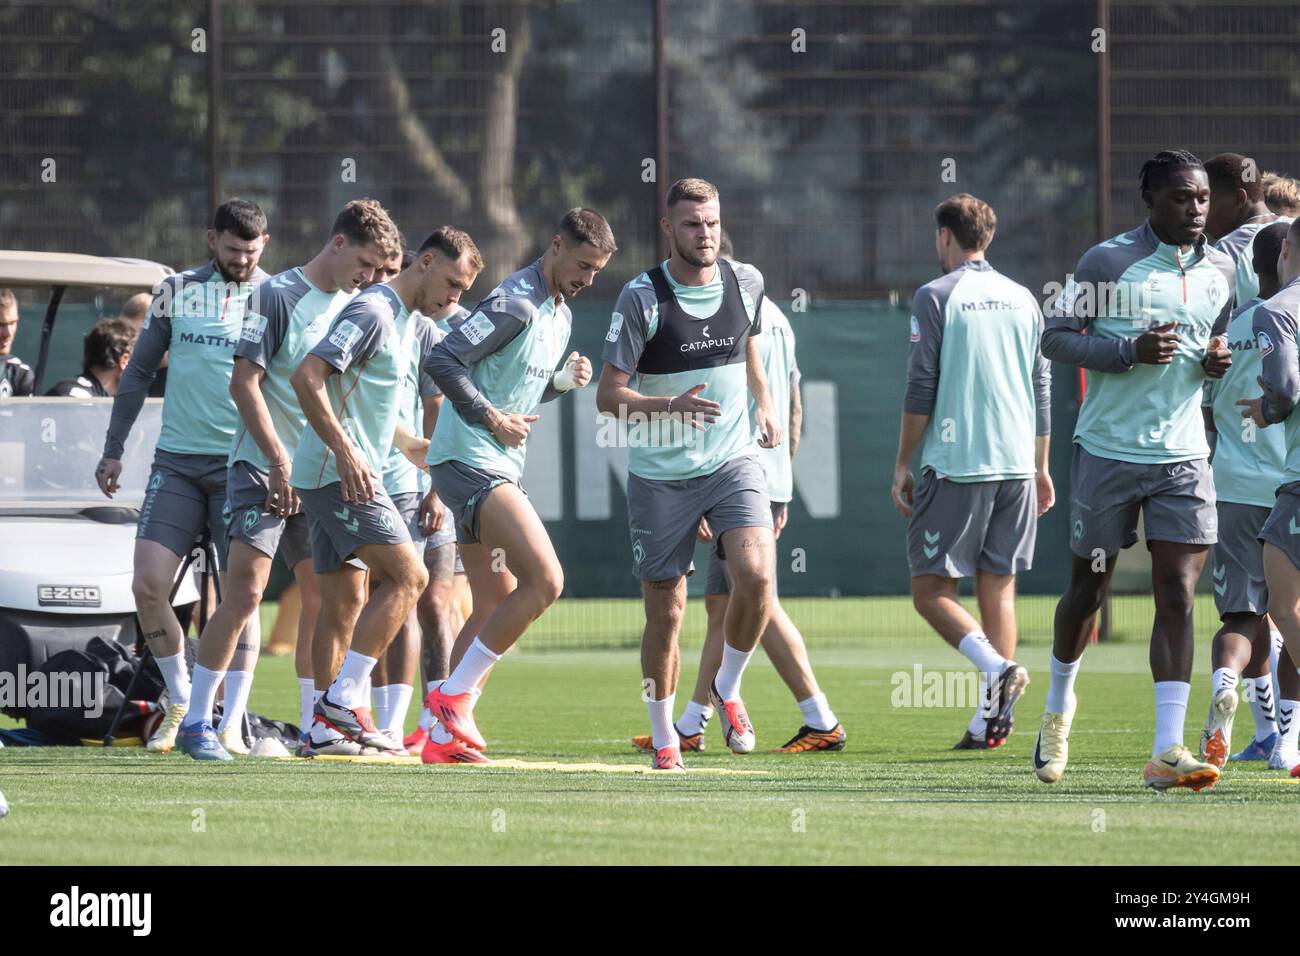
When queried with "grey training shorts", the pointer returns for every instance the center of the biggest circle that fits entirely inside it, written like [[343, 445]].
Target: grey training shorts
[[186, 493], [463, 489], [1176, 501], [665, 515], [1238, 566], [250, 522], [336, 529], [960, 527], [1282, 529]]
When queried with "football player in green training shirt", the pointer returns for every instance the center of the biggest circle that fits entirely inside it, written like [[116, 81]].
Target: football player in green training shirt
[[195, 318], [1248, 465], [1275, 323], [495, 368], [781, 641], [686, 330], [351, 390], [978, 406], [1154, 302], [286, 316]]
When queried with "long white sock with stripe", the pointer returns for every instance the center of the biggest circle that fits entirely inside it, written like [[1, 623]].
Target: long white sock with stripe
[[1261, 707]]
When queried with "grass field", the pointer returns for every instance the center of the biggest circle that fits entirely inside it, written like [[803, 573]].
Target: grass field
[[895, 795]]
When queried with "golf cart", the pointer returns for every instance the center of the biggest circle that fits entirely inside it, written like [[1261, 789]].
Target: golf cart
[[66, 550]]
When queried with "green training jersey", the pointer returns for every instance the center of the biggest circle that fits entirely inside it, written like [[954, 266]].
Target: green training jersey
[[287, 316], [1146, 414]]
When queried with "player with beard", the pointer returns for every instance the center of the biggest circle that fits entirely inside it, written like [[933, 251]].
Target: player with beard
[[288, 315], [195, 317], [686, 330]]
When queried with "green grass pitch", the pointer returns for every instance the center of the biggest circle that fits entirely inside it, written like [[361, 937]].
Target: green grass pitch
[[897, 794]]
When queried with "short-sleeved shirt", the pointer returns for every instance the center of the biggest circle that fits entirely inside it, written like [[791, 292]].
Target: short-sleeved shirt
[[975, 369], [511, 344], [1248, 461], [371, 345], [1141, 413], [196, 319], [657, 453], [400, 476], [286, 317], [776, 346]]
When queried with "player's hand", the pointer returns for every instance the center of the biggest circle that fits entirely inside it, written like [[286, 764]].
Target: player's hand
[[281, 499], [1158, 345], [1218, 358], [580, 368], [356, 479], [769, 429], [414, 449], [1253, 408], [694, 409], [781, 517], [107, 473], [512, 430], [901, 490], [704, 532], [1046, 492], [432, 513]]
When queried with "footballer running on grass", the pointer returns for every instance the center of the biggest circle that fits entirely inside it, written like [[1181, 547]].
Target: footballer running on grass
[[496, 367]]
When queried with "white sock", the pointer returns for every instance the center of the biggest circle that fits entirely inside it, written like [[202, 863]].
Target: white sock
[[364, 698], [662, 730], [1288, 726], [426, 716], [349, 688], [1261, 707], [817, 713], [238, 686], [177, 676], [1060, 690], [1223, 678], [1171, 713], [399, 701], [203, 693], [977, 726], [306, 701], [478, 660], [694, 718], [977, 649], [1275, 642], [727, 682], [380, 697]]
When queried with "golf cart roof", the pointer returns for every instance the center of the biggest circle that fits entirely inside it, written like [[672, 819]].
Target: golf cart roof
[[18, 268]]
